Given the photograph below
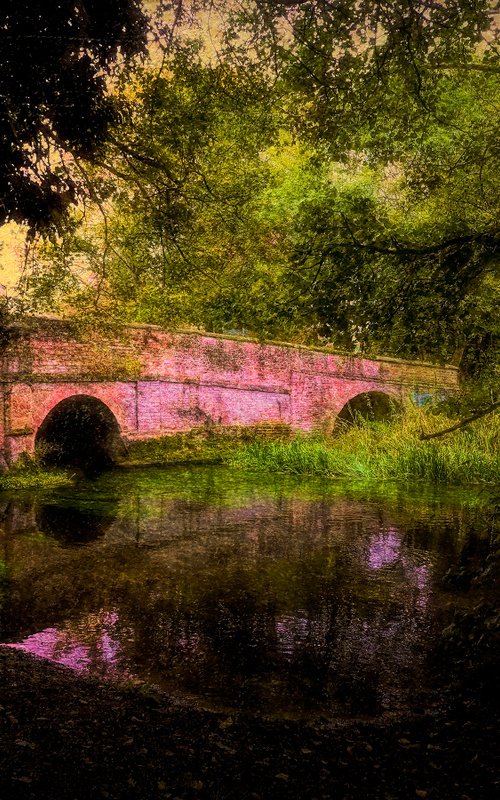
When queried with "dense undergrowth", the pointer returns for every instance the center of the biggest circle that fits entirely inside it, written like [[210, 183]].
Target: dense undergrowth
[[387, 451]]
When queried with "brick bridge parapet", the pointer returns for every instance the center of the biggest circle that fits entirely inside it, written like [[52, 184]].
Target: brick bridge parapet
[[157, 382]]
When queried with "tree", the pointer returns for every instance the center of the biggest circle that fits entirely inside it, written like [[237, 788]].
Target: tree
[[383, 232], [402, 97], [406, 248], [55, 60], [178, 233]]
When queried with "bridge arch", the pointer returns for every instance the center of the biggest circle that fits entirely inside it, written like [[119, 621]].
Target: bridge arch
[[372, 405], [79, 431]]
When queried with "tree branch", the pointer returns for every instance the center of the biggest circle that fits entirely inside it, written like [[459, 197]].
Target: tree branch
[[462, 424], [492, 239], [467, 67], [144, 159]]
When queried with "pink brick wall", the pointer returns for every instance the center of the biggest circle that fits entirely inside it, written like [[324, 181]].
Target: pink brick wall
[[157, 382]]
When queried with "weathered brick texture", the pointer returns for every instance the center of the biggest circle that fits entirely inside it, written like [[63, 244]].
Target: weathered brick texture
[[158, 382]]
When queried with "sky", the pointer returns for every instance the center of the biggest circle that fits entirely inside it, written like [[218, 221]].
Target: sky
[[11, 256]]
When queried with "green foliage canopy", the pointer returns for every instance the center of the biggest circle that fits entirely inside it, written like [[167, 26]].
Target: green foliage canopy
[[331, 176]]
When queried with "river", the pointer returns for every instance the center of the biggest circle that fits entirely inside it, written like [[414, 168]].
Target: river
[[291, 596]]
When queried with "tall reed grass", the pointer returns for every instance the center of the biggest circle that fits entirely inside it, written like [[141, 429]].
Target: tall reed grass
[[388, 451]]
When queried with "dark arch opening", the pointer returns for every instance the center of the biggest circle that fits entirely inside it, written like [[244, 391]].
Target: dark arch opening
[[370, 406], [79, 432]]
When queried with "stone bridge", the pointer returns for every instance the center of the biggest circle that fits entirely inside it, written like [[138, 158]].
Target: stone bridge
[[148, 382]]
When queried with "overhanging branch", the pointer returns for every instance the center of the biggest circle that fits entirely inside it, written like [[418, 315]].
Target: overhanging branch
[[483, 413]]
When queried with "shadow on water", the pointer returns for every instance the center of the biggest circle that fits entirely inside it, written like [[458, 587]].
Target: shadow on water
[[71, 526], [287, 597]]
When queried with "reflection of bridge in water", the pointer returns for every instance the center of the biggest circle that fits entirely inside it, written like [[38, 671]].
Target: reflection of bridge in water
[[313, 603], [88, 395]]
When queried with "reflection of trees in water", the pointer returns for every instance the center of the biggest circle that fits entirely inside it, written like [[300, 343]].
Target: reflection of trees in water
[[53, 571], [292, 604], [312, 632]]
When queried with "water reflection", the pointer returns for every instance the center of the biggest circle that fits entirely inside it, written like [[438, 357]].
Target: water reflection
[[272, 600], [72, 526], [385, 548], [90, 646]]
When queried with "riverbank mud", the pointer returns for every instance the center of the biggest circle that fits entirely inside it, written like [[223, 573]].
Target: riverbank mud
[[66, 737]]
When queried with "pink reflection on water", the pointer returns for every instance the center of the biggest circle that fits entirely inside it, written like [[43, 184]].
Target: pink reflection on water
[[422, 583], [89, 645], [292, 632], [385, 549]]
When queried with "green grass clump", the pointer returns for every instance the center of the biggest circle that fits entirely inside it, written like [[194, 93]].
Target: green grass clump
[[200, 445], [192, 447], [387, 451], [28, 473], [46, 481]]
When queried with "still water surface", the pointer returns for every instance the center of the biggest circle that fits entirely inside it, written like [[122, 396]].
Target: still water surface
[[286, 595]]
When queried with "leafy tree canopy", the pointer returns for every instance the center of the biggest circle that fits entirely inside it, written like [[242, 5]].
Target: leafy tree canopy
[[55, 58], [403, 97], [331, 174]]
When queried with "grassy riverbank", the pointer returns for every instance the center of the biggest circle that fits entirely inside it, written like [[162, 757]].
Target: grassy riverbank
[[30, 474], [368, 451], [198, 446], [387, 451], [201, 445]]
